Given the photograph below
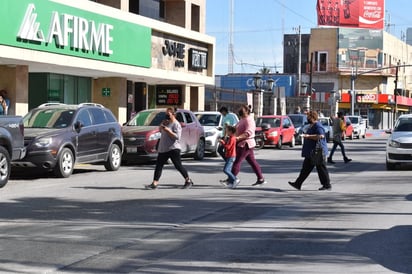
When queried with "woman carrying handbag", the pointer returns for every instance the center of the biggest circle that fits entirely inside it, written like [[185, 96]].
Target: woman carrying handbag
[[315, 136]]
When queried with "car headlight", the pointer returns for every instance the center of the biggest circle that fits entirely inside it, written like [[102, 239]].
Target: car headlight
[[155, 136], [43, 142], [209, 133], [393, 143]]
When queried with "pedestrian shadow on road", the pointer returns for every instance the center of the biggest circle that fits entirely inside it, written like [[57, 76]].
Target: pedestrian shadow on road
[[390, 248]]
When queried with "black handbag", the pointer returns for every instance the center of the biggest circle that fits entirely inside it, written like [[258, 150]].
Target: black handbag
[[316, 155]]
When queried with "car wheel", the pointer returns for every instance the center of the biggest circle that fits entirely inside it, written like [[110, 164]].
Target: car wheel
[[292, 142], [65, 164], [114, 159], [5, 166], [279, 145], [200, 150], [390, 166]]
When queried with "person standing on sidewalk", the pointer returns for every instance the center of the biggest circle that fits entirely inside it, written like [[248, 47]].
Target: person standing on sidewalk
[[230, 155], [315, 133], [245, 138], [339, 127], [169, 147]]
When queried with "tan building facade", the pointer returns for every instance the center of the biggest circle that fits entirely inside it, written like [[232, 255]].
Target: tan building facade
[[124, 57], [367, 62]]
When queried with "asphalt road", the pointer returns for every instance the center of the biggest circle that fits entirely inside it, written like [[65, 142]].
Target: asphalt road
[[105, 222]]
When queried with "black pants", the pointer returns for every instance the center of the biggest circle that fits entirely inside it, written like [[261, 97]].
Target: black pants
[[335, 145], [307, 168], [162, 158]]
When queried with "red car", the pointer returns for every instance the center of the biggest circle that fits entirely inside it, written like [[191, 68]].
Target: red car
[[349, 128], [141, 135], [277, 129]]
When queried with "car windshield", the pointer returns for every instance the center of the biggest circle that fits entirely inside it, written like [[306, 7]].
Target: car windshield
[[147, 118], [207, 119], [273, 122], [403, 124], [324, 122], [49, 118], [296, 120], [354, 120]]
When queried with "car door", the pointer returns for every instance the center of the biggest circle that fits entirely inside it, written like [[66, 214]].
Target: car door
[[102, 130], [193, 131], [185, 132], [287, 130], [86, 135]]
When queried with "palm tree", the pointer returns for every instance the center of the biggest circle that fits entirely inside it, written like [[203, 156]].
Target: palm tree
[[264, 70]]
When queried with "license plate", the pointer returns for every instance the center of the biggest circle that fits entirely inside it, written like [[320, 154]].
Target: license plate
[[131, 149]]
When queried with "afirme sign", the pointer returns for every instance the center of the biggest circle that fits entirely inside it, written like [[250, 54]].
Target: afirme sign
[[48, 26]]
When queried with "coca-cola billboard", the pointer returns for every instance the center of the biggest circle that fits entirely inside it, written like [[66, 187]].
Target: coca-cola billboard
[[351, 13]]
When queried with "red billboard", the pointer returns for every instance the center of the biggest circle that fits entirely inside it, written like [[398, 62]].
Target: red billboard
[[351, 13]]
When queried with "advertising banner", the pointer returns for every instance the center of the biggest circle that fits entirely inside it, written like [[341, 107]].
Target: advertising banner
[[351, 13], [52, 27]]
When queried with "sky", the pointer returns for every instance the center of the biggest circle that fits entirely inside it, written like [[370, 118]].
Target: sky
[[259, 25]]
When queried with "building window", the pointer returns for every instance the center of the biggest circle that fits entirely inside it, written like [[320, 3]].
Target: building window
[[321, 60], [150, 8], [59, 88], [195, 17]]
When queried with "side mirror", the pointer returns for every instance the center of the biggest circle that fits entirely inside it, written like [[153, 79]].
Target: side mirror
[[265, 126], [182, 124], [388, 131], [78, 126], [219, 128]]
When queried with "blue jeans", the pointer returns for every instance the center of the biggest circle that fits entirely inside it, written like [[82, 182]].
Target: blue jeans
[[227, 169]]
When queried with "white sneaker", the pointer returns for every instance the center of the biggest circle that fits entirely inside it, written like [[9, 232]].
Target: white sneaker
[[235, 183]]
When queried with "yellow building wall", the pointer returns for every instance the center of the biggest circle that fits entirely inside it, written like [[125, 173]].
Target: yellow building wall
[[117, 101]]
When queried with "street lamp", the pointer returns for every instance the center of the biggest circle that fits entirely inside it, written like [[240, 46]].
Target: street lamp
[[260, 87]]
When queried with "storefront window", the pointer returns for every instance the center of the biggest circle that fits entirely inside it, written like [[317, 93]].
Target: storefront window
[[58, 88]]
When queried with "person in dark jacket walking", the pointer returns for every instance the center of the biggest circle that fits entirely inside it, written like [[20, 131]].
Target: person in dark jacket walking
[[314, 134]]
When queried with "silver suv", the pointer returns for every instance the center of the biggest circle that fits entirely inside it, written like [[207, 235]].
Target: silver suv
[[57, 136]]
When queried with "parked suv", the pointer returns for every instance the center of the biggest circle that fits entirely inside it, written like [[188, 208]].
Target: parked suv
[[58, 135], [141, 134], [212, 122]]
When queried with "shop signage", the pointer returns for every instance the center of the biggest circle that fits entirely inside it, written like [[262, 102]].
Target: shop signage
[[67, 28], [367, 98], [197, 59], [176, 50], [106, 92], [168, 95], [53, 27]]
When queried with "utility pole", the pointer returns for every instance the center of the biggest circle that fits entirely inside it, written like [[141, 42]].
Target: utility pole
[[353, 93], [395, 93]]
